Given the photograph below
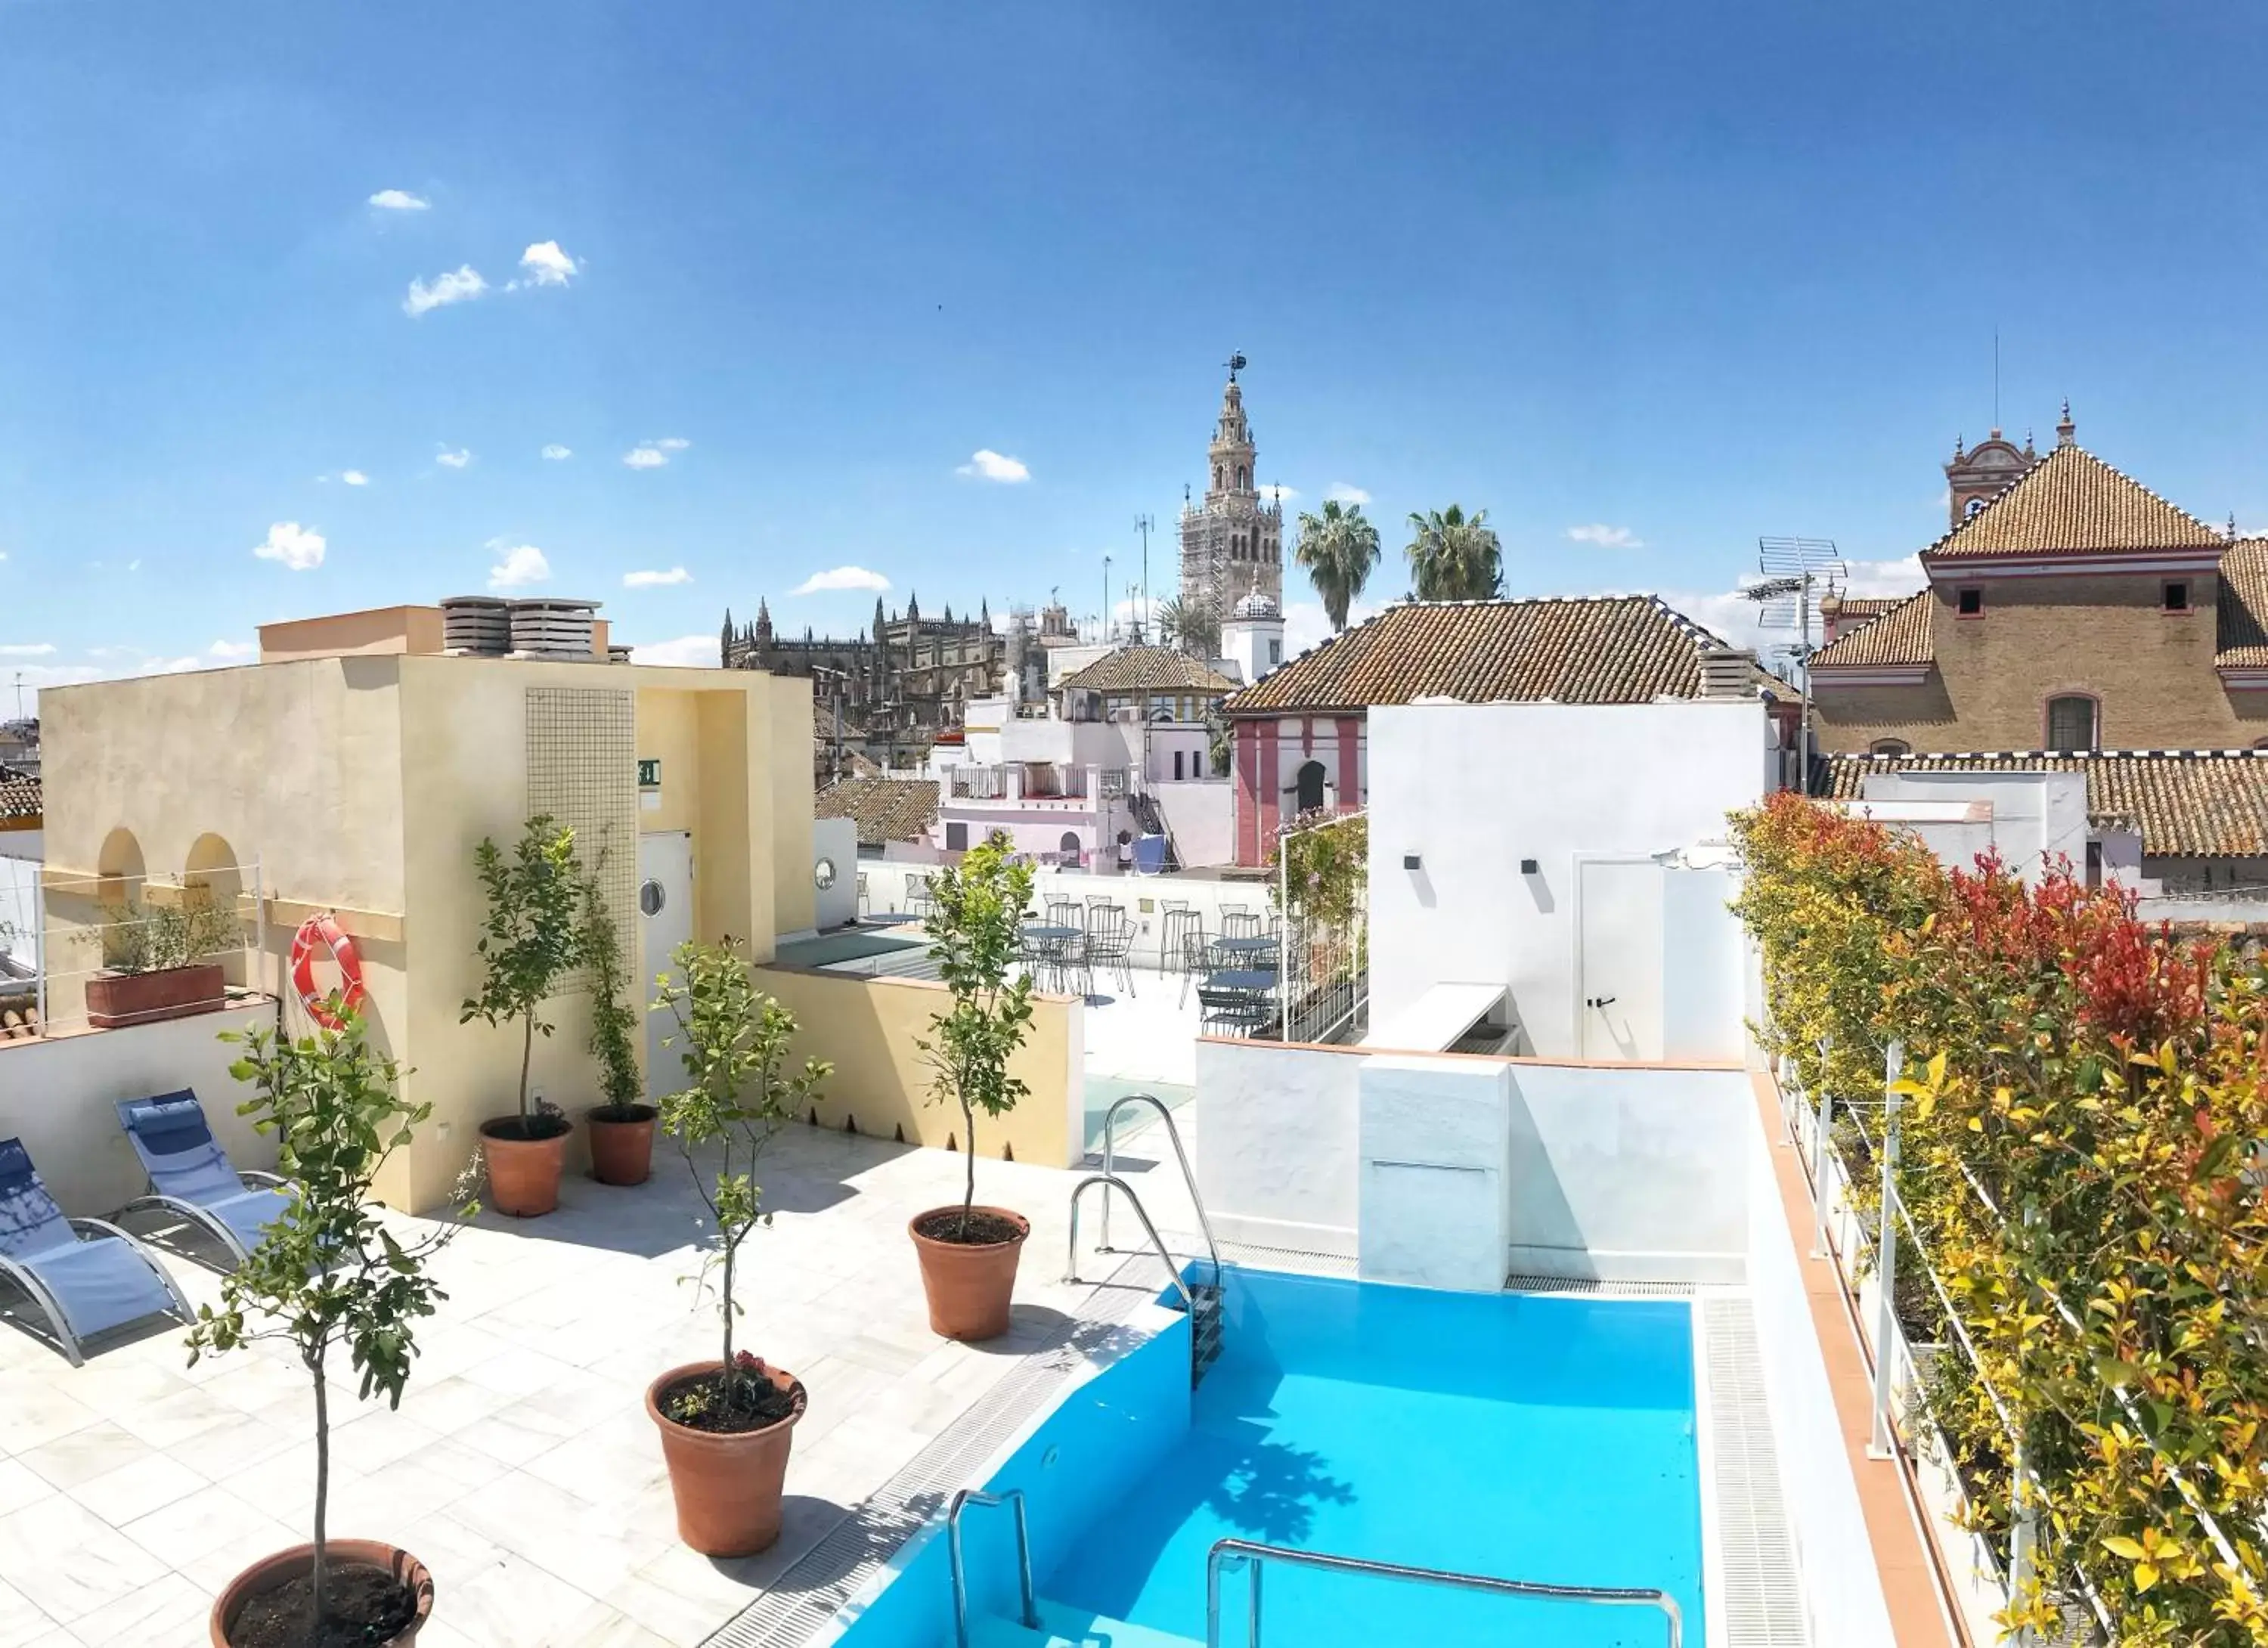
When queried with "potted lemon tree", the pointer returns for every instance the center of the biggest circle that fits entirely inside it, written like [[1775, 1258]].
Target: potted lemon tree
[[327, 1276], [727, 1425], [969, 1253], [530, 940]]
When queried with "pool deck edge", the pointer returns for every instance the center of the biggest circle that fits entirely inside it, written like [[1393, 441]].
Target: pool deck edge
[[1905, 1559]]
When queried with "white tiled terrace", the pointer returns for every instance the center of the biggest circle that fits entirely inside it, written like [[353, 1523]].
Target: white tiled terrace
[[521, 1467]]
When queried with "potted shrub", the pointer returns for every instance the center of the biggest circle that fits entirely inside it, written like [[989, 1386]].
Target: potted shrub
[[530, 940], [968, 1252], [727, 1425], [622, 1129], [328, 1274], [154, 964]]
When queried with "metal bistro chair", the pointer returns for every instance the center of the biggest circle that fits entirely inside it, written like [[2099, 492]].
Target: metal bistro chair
[[1063, 912], [1197, 961], [865, 905], [919, 903], [1110, 943], [1176, 921], [1237, 921]]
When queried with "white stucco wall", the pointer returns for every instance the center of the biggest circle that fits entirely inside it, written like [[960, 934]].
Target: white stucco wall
[[1473, 789], [57, 1095], [1279, 1151], [1629, 1174], [1201, 819], [2029, 817], [836, 840], [1619, 1173]]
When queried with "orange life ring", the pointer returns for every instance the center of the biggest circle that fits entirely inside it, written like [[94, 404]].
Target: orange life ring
[[324, 931]]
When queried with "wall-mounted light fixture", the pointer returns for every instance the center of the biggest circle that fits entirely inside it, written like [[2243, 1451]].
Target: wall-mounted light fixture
[[1411, 861], [1529, 866]]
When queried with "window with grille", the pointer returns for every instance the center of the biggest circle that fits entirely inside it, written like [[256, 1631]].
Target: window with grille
[[2071, 723]]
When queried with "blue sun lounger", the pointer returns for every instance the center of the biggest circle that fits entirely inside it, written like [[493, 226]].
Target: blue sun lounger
[[84, 1274], [190, 1176]]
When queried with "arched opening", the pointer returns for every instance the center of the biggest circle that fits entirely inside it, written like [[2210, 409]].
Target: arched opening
[[1888, 746], [211, 877], [1243, 479], [1311, 786], [120, 877], [2070, 723], [1068, 847], [1215, 477]]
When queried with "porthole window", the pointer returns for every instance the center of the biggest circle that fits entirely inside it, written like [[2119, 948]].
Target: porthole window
[[652, 898]]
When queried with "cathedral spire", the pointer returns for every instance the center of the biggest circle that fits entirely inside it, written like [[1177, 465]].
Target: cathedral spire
[[2067, 432], [763, 631]]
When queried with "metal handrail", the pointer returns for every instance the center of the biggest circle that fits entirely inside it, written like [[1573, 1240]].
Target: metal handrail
[[1013, 1498], [1239, 1553], [1071, 1258], [1188, 1178]]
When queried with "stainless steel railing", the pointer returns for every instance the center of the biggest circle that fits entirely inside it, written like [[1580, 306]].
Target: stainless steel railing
[[1230, 1555], [1188, 1178], [1013, 1498]]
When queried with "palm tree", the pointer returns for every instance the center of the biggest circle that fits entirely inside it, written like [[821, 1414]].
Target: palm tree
[[1338, 548], [1451, 558], [1190, 624]]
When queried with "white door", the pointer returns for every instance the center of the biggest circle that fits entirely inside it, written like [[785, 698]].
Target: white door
[[664, 922], [1618, 959]]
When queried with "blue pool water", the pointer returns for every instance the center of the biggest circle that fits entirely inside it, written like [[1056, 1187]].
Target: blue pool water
[[1523, 1436], [1528, 1438]]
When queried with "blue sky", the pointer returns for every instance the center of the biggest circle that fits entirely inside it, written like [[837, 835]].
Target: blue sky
[[1686, 273]]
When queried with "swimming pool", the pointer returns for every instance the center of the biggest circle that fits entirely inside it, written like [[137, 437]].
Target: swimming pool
[[1522, 1436]]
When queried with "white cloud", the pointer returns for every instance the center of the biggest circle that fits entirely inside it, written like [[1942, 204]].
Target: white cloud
[[693, 651], [170, 666], [656, 580], [646, 458], [28, 649], [1607, 537], [556, 453], [399, 200], [522, 564], [457, 285], [546, 265], [354, 477], [297, 547], [986, 465], [1306, 624], [235, 649], [671, 443], [1280, 494], [456, 460], [1340, 492], [841, 577]]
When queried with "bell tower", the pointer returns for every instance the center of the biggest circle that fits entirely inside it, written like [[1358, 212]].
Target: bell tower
[[1233, 543]]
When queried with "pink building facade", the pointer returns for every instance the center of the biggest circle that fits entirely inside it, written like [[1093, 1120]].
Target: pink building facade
[[1288, 765]]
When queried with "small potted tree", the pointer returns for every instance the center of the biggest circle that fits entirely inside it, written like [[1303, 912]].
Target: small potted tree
[[530, 940], [967, 1253], [622, 1128], [727, 1425], [156, 960], [328, 1274]]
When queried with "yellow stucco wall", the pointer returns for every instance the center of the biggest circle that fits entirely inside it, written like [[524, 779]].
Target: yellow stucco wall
[[364, 783], [867, 1028]]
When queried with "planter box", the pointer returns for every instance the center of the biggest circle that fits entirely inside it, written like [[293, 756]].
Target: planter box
[[116, 999]]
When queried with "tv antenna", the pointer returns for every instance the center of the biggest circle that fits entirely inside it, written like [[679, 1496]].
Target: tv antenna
[[1142, 524], [1794, 574]]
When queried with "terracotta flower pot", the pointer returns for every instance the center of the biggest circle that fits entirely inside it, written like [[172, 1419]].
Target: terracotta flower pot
[[726, 1483], [970, 1288], [523, 1174], [287, 1565], [622, 1147], [114, 999]]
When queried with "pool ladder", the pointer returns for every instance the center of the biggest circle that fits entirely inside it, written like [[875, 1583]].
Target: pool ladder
[[1201, 1299]]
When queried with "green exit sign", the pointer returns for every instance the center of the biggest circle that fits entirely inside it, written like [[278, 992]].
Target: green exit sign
[[650, 774]]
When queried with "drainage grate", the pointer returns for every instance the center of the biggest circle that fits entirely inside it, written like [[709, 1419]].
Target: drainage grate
[[814, 1588], [1518, 1283], [1763, 1594]]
